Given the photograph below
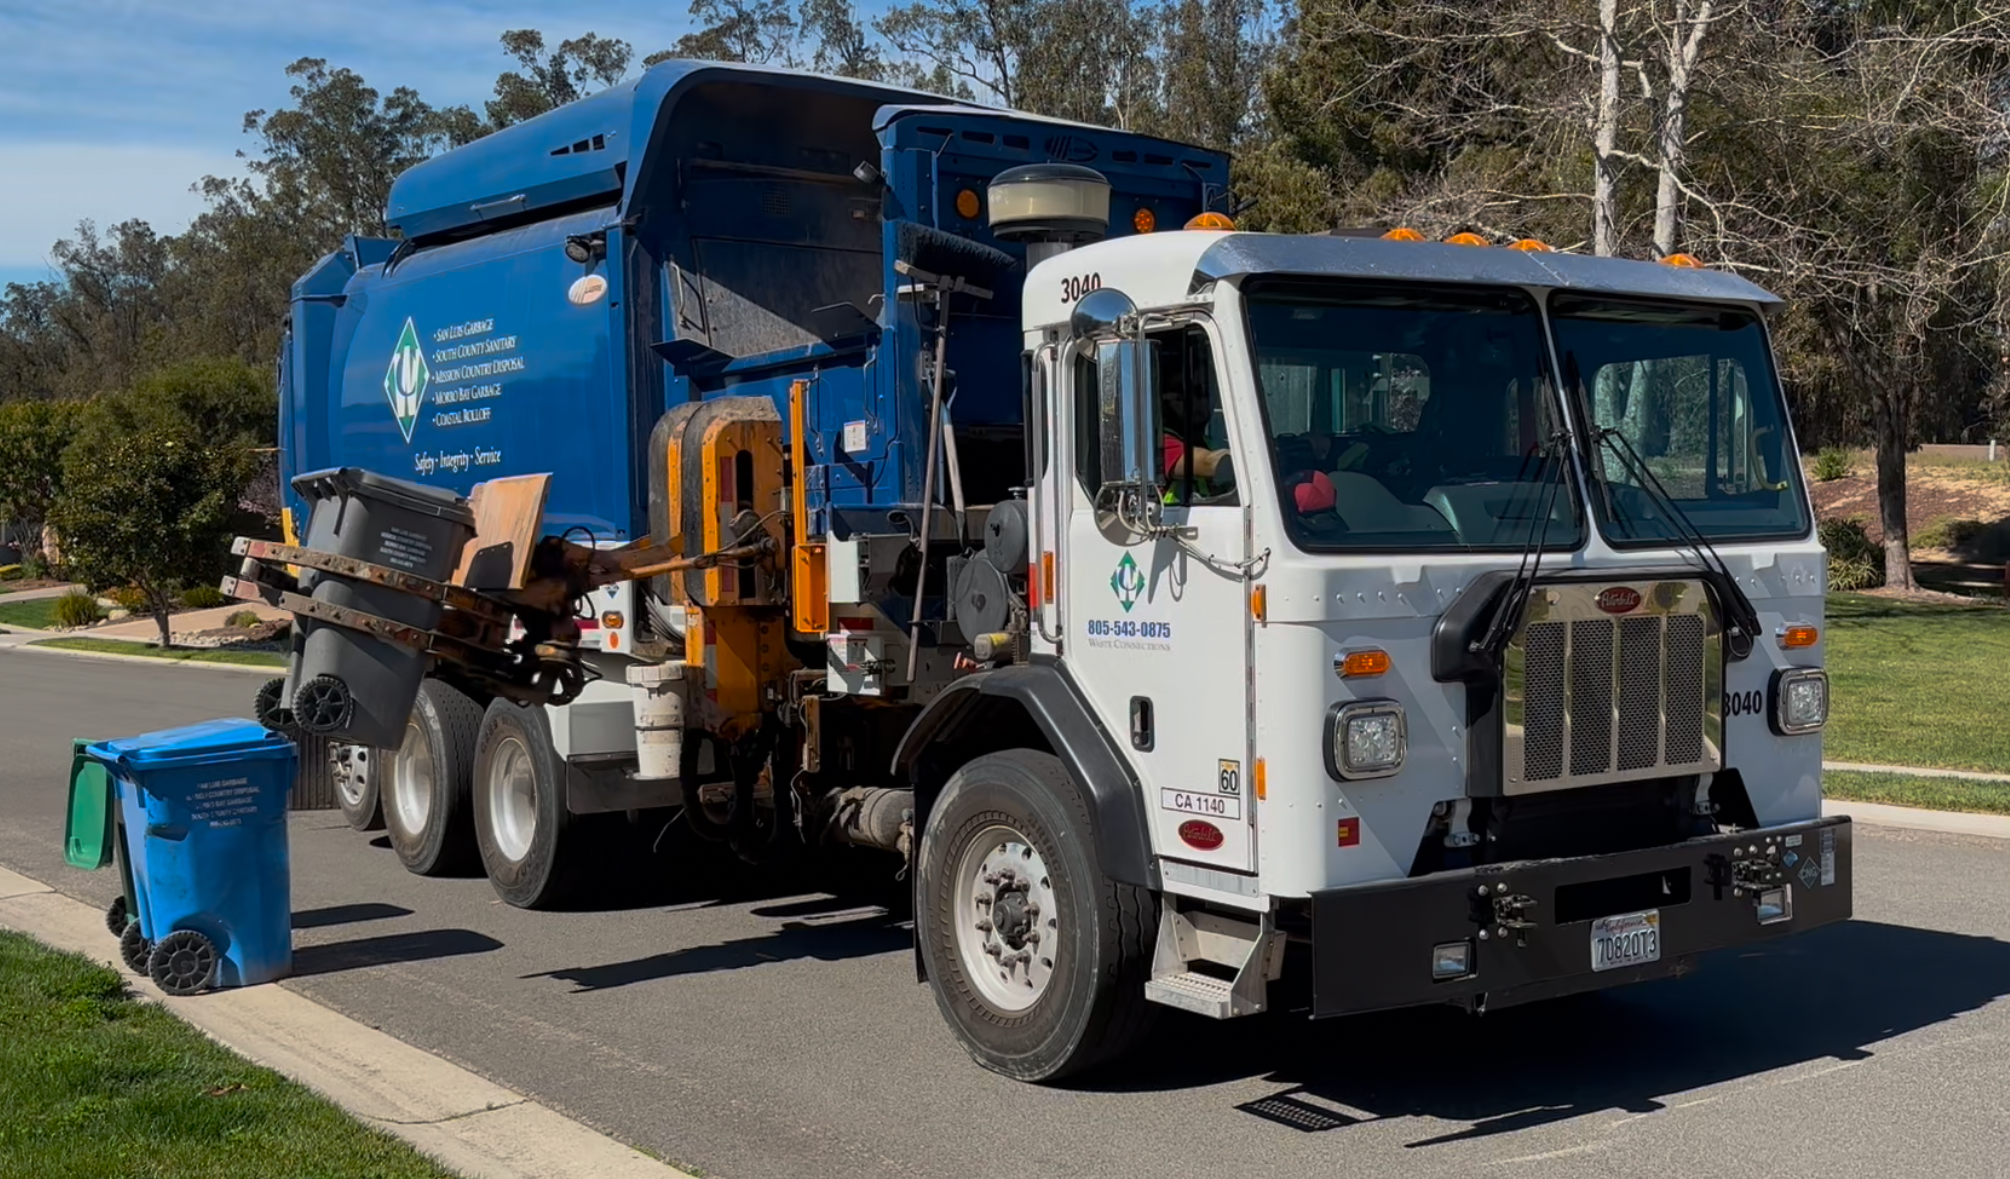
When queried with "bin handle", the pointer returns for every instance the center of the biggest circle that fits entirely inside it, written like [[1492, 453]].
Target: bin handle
[[174, 832]]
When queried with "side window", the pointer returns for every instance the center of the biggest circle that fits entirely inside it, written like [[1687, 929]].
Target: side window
[[1088, 435], [1195, 467]]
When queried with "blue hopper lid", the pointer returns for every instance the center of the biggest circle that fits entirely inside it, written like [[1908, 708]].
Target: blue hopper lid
[[227, 739]]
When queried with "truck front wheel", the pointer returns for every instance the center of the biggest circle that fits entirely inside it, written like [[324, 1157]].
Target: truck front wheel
[[425, 795], [527, 837], [1037, 959]]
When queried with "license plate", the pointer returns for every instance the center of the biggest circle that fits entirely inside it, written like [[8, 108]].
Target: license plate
[[1626, 939]]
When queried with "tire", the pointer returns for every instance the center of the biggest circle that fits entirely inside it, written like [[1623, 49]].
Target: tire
[[356, 771], [531, 846], [1009, 825], [116, 917], [426, 802]]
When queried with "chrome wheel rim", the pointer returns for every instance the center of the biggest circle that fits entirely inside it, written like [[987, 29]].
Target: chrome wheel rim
[[351, 773], [412, 779], [512, 799], [1006, 919]]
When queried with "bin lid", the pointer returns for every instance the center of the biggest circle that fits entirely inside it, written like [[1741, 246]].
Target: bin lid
[[413, 497], [227, 739]]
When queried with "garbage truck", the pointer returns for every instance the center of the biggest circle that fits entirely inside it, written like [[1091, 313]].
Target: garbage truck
[[1212, 620]]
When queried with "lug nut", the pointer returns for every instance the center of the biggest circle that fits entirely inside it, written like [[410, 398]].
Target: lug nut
[[983, 925]]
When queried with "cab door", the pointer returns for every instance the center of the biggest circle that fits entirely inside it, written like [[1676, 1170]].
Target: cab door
[[1156, 629]]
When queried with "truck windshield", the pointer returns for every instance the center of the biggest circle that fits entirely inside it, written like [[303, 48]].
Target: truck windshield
[[1688, 393], [1407, 418]]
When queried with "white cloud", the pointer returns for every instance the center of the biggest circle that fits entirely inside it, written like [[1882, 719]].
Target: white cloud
[[46, 188]]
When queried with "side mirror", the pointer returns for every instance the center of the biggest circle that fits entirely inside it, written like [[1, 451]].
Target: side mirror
[[1127, 404]]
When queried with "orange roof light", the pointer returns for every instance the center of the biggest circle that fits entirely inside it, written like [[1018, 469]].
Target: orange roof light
[[1373, 661], [1467, 239], [1794, 638], [1532, 246], [967, 205], [1219, 221], [1683, 260], [1144, 220], [1403, 233]]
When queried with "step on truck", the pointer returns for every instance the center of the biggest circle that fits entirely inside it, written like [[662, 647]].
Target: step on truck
[[1213, 620]]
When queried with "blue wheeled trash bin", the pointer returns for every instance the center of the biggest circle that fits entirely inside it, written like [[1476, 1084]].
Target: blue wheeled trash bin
[[201, 821]]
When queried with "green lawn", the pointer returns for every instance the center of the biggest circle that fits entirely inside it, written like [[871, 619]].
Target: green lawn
[[178, 654], [94, 1083], [36, 613], [1937, 794], [1918, 685]]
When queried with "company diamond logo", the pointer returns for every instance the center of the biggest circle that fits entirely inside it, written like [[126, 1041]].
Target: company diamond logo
[[1128, 583], [406, 380]]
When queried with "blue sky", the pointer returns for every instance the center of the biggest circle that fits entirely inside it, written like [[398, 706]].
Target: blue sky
[[110, 109]]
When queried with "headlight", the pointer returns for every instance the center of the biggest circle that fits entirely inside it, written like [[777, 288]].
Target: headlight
[[1365, 739], [1800, 700]]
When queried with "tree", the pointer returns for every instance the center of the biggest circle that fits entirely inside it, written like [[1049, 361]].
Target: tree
[[842, 46], [544, 81], [762, 32], [152, 509], [33, 435], [227, 402], [332, 156]]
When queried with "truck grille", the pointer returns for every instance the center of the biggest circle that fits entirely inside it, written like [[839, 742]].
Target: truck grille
[[1605, 694]]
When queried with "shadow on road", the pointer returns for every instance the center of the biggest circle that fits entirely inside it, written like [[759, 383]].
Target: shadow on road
[[1827, 995], [346, 915], [830, 941], [357, 953]]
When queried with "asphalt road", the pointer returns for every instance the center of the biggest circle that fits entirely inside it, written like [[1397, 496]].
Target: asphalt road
[[754, 1028]]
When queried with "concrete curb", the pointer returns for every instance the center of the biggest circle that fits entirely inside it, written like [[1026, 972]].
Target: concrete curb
[[1873, 814], [471, 1125], [1851, 767], [154, 660]]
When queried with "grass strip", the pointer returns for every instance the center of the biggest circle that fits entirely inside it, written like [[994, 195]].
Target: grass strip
[[35, 613], [1934, 794], [176, 654], [95, 1083], [1918, 684]]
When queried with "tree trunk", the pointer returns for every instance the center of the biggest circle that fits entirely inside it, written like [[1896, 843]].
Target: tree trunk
[[1685, 44], [1605, 135], [1892, 436]]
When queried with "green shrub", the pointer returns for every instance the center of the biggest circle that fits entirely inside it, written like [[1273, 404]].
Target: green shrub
[[1856, 562], [244, 618], [127, 598], [1949, 533], [77, 608], [1831, 463], [36, 568], [203, 597]]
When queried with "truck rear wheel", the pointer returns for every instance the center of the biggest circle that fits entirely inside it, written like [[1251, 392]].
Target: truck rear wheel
[[425, 794], [529, 841], [1037, 959], [356, 770]]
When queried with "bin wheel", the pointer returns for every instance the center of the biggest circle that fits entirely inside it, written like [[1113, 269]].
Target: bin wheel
[[269, 707], [135, 949], [184, 963], [116, 917], [323, 705]]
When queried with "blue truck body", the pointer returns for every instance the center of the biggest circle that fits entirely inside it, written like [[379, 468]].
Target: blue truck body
[[728, 246]]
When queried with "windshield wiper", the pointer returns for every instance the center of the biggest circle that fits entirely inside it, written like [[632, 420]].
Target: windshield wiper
[[1742, 626], [1507, 618]]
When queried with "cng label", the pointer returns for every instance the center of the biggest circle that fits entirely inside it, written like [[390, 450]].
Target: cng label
[[406, 380]]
